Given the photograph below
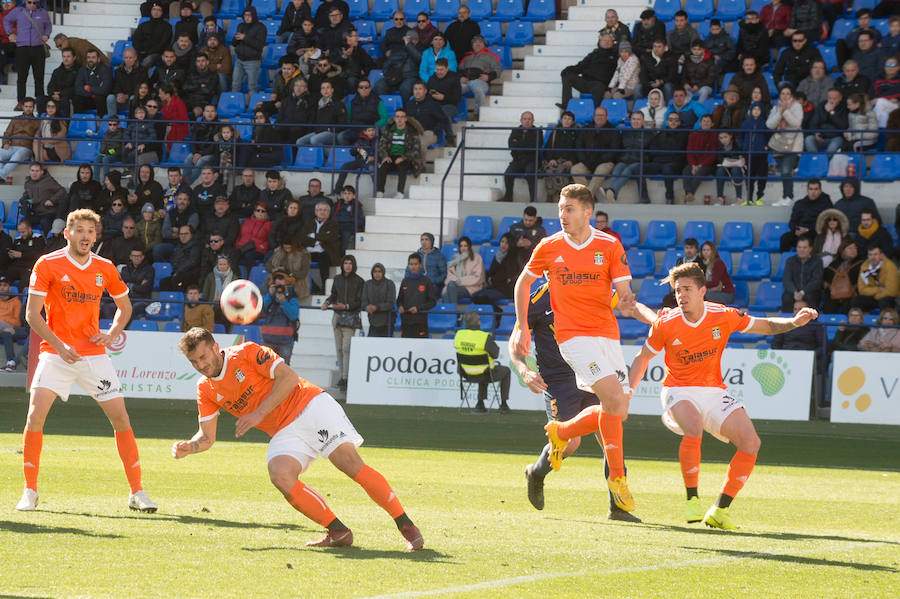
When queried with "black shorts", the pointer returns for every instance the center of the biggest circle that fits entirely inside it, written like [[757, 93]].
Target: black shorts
[[565, 400]]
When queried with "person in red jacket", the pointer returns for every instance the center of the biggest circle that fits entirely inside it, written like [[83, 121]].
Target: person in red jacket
[[253, 242], [719, 287], [174, 109], [776, 17], [701, 157]]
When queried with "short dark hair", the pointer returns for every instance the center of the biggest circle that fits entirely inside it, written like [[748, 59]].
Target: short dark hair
[[814, 182], [680, 13], [193, 287], [414, 256], [175, 169], [697, 43], [530, 211], [866, 33], [69, 50], [691, 243], [194, 337], [441, 62], [863, 12], [601, 213]]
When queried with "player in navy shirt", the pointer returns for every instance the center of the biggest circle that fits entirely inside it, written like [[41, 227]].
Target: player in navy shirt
[[563, 398]]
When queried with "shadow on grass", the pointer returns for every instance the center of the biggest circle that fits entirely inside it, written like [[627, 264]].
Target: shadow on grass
[[778, 536], [185, 519], [797, 559], [29, 528], [357, 552]]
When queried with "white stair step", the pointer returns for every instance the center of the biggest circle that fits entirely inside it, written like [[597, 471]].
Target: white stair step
[[590, 25], [388, 241], [378, 223], [571, 49], [542, 116], [522, 103], [421, 206], [533, 76], [109, 20], [324, 362], [475, 164], [473, 180], [103, 9], [528, 88], [471, 194], [555, 64], [597, 14], [392, 260], [317, 376], [586, 39]]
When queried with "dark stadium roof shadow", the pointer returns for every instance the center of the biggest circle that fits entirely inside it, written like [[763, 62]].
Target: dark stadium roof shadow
[[185, 519], [778, 536], [30, 528], [797, 559], [358, 552]]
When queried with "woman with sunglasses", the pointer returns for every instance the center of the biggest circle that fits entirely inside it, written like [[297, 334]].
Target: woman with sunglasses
[[832, 227], [881, 338], [253, 242]]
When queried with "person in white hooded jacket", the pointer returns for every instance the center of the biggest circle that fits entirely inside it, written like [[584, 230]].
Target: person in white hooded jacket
[[786, 143]]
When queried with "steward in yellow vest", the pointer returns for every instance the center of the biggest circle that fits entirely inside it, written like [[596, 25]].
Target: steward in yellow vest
[[476, 351]]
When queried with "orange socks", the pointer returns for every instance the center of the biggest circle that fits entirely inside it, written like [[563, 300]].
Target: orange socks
[[611, 432], [584, 424], [32, 443], [131, 461], [310, 504], [738, 471], [689, 457], [379, 490]]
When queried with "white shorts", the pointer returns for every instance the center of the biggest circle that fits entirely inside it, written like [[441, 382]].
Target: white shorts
[[714, 405], [318, 430], [95, 374], [594, 358]]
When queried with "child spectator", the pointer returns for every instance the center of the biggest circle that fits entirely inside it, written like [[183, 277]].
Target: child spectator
[[197, 315]]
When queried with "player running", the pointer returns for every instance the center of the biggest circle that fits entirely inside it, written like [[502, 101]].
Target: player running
[[563, 399], [68, 284], [582, 266], [694, 397], [253, 383]]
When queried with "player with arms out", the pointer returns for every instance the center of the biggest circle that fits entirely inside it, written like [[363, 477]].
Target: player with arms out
[[694, 398], [556, 382], [253, 383], [582, 266], [68, 284]]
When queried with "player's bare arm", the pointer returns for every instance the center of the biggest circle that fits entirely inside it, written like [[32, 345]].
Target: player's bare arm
[[39, 325], [121, 318], [531, 378], [639, 367], [626, 296], [202, 441], [777, 325], [521, 336], [639, 312], [286, 380]]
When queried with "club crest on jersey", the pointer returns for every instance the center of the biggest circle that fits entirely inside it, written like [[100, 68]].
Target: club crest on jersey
[[98, 278], [598, 258], [716, 333], [239, 375], [594, 368]]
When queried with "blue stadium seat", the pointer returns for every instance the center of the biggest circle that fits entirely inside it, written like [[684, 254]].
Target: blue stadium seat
[[504, 53], [507, 320], [255, 99], [249, 331], [271, 29], [770, 237], [173, 326], [161, 271], [702, 29], [487, 253], [540, 11], [383, 10], [652, 293], [842, 27], [629, 230], [753, 266], [640, 262], [479, 229], [492, 32], [411, 8], [3, 212], [736, 236], [779, 272], [143, 325], [757, 5], [552, 226], [85, 151], [358, 8], [82, 125], [118, 51], [449, 251], [616, 110], [668, 262], [445, 10], [666, 9], [885, 167], [274, 52], [265, 8], [701, 230], [582, 109], [505, 224], [105, 324], [698, 10], [630, 328], [258, 276], [508, 10], [177, 154], [338, 158], [725, 256], [242, 125], [829, 55], [882, 25], [392, 102], [518, 34], [487, 315], [442, 318], [172, 306], [660, 235], [230, 104], [768, 296], [230, 9], [366, 28], [812, 166], [892, 229], [730, 10], [12, 219], [309, 158], [232, 29], [832, 319], [480, 9], [741, 294]]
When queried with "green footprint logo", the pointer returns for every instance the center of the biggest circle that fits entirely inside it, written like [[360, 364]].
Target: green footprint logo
[[771, 373]]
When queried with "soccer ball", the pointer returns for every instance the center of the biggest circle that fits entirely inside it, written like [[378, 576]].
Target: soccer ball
[[241, 301]]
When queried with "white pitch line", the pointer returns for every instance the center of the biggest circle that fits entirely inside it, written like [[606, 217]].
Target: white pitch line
[[506, 582]]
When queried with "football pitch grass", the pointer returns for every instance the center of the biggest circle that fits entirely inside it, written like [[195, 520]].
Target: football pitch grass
[[820, 515]]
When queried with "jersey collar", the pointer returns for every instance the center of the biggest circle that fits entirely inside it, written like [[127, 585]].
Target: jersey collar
[[583, 245], [77, 264], [694, 325], [224, 368]]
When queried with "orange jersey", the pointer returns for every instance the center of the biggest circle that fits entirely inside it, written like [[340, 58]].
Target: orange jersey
[[72, 293], [694, 349], [247, 378], [581, 281]]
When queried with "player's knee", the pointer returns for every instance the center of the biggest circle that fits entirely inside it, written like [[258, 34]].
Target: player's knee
[[751, 443], [282, 480]]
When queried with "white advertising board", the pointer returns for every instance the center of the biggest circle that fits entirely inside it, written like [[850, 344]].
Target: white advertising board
[[864, 388], [422, 372], [149, 364]]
